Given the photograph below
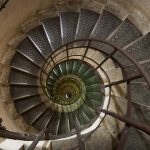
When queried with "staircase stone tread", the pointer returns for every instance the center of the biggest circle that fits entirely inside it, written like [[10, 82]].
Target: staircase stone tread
[[28, 49], [21, 77], [53, 124], [31, 114], [125, 34], [26, 103], [42, 121], [38, 37], [100, 139], [86, 23], [68, 25], [17, 92], [140, 114], [140, 143], [53, 31], [21, 62], [105, 25], [140, 93], [139, 51]]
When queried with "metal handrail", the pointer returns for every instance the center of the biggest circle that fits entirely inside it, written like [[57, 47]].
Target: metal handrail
[[140, 69], [128, 121], [127, 80]]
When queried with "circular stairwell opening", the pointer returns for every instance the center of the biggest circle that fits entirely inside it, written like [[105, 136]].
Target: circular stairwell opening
[[70, 85], [68, 95]]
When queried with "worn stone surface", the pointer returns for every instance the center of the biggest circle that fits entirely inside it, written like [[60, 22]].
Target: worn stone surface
[[137, 12], [16, 40], [132, 70], [4, 73], [119, 106], [140, 51], [64, 144], [140, 20], [51, 11], [69, 5], [117, 10], [8, 56], [94, 5], [137, 140], [140, 93], [1, 140], [30, 24], [116, 75], [11, 144], [141, 113], [101, 139], [146, 66], [125, 34]]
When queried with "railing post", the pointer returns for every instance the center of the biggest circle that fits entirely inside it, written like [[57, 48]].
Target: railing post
[[37, 139], [125, 132], [89, 42], [123, 138], [109, 56], [67, 51], [52, 60], [80, 142]]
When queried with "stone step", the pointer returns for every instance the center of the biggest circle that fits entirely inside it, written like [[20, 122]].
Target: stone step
[[11, 145], [100, 139], [137, 140]]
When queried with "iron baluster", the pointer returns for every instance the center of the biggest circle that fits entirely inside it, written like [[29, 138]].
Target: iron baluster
[[37, 139]]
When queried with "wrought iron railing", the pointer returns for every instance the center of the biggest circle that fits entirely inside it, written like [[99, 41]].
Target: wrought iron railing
[[51, 62]]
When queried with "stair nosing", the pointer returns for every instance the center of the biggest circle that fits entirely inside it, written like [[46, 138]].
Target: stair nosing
[[58, 124], [25, 96], [29, 59], [36, 46], [30, 108], [95, 26], [23, 71], [85, 116], [141, 104], [49, 119], [38, 116], [134, 42], [77, 28], [50, 43], [114, 32], [22, 84], [61, 29], [92, 110]]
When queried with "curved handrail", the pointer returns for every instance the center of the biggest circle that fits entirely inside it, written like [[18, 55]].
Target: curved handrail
[[138, 66], [141, 70]]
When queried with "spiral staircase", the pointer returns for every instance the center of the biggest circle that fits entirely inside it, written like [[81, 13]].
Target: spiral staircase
[[75, 65]]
